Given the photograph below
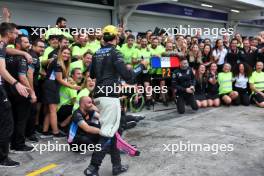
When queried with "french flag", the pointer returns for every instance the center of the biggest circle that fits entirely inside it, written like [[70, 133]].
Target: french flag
[[164, 62]]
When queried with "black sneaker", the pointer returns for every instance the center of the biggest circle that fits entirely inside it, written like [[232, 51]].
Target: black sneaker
[[46, 134], [130, 125], [33, 138], [23, 149], [119, 169], [139, 118], [91, 171], [59, 135], [8, 163]]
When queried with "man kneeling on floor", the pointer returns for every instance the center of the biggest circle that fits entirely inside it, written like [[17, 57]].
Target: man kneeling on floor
[[85, 129]]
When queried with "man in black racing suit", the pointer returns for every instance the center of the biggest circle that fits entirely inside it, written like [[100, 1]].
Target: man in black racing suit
[[107, 67]]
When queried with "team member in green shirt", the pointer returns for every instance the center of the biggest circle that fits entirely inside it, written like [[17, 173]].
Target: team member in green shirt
[[79, 48], [68, 98], [84, 63], [53, 44], [93, 44], [158, 50], [256, 82], [87, 87], [225, 85], [128, 49], [143, 53]]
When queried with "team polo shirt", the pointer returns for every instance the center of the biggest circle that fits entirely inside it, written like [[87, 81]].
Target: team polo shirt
[[93, 46], [78, 64], [82, 93], [46, 53], [78, 50], [10, 46], [157, 52], [142, 53], [66, 96], [257, 78], [118, 47], [77, 118], [127, 53]]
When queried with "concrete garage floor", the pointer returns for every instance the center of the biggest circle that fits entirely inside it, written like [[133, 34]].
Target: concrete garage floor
[[241, 126]]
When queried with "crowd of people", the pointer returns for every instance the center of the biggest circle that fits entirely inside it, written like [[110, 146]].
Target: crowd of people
[[52, 85]]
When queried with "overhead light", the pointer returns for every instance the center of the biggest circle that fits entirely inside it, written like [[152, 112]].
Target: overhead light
[[206, 5], [175, 0], [234, 10]]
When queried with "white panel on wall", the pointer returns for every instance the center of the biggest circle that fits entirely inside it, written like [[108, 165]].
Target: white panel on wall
[[44, 14]]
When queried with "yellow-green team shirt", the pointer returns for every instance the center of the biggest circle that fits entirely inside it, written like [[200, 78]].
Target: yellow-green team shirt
[[142, 53], [93, 46], [82, 93], [225, 82], [127, 53], [78, 64], [46, 53], [157, 52], [67, 95], [257, 78], [78, 51]]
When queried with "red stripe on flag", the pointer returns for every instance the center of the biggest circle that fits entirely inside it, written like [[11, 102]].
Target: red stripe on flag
[[174, 61]]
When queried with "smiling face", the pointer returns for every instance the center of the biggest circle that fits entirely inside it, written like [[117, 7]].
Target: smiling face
[[259, 66], [227, 68], [87, 59], [207, 49], [213, 68], [66, 54], [77, 75], [202, 69], [241, 69]]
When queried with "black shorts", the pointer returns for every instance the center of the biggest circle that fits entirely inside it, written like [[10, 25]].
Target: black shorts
[[64, 112], [50, 90], [258, 98], [200, 97], [212, 96]]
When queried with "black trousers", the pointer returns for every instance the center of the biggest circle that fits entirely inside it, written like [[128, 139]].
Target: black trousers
[[21, 113], [243, 97], [184, 98], [108, 145], [6, 124], [30, 128], [86, 139]]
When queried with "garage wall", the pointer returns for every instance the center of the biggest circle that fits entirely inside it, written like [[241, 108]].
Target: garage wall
[[44, 14], [248, 31], [142, 22], [138, 22]]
